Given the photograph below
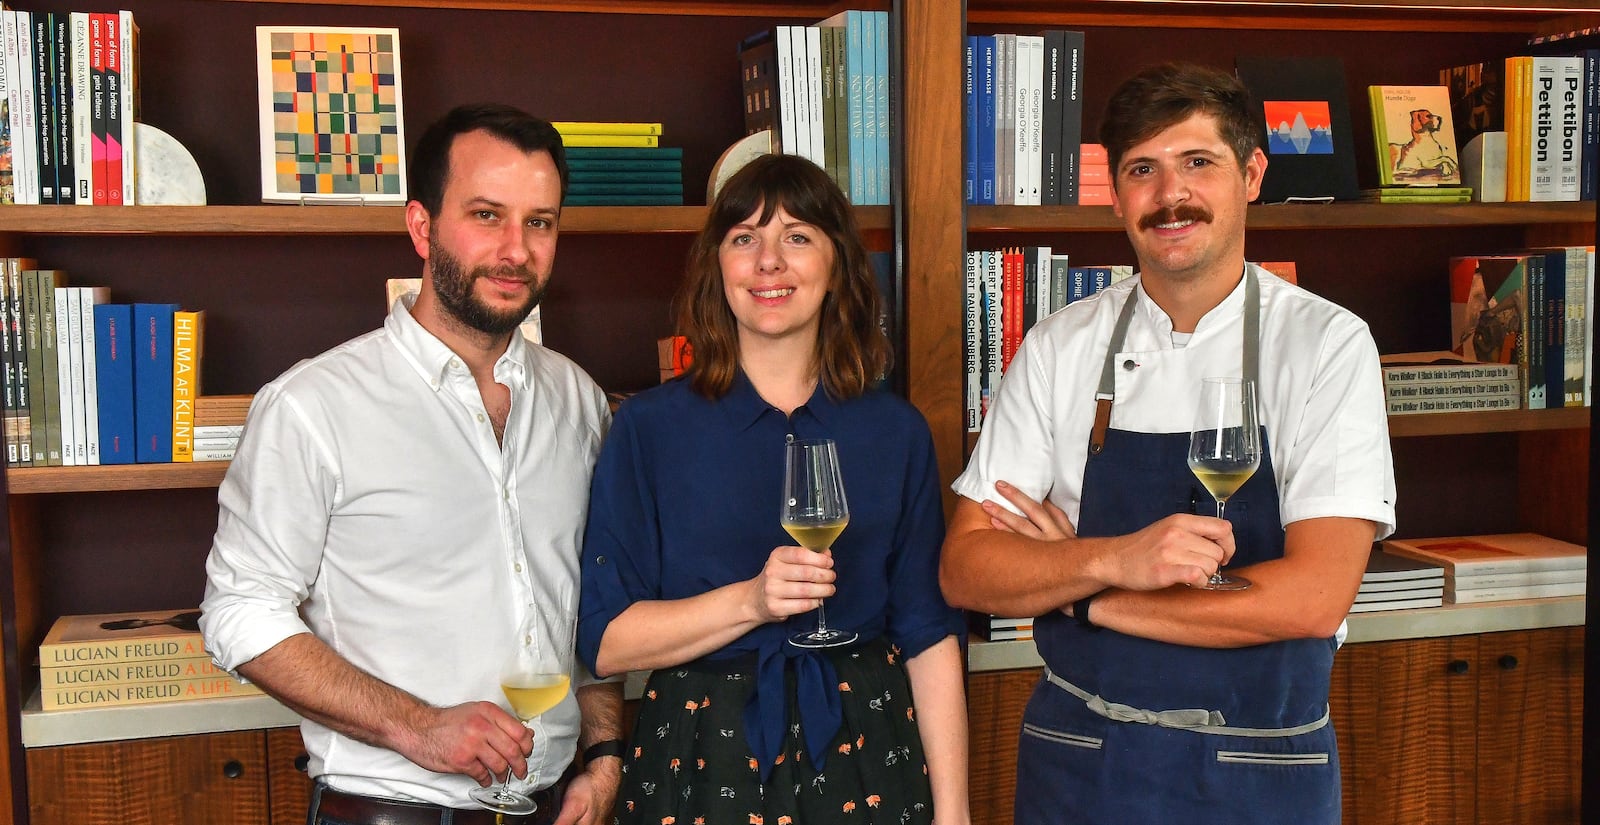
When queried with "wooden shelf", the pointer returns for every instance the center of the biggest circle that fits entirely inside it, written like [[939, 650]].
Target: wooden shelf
[[29, 480], [1498, 421], [336, 220], [1295, 217], [1344, 15], [817, 9]]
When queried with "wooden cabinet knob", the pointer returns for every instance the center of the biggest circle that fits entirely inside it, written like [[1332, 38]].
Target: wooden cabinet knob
[[1508, 662], [302, 762], [232, 769], [1458, 666]]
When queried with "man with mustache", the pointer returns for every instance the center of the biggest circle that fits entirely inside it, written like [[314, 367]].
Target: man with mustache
[[404, 514], [1163, 701]]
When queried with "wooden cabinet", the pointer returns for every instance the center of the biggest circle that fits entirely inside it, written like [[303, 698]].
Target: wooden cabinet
[[1464, 730], [243, 778]]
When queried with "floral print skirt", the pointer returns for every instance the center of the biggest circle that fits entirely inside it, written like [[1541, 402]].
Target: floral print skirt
[[690, 764]]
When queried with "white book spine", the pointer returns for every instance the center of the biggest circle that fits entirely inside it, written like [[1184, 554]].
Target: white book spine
[[802, 91], [1021, 86], [69, 455], [786, 98], [814, 93], [993, 327], [27, 173], [81, 361], [1568, 140], [233, 431], [1032, 100], [213, 455], [91, 295], [972, 335], [82, 137], [1041, 285], [1577, 339], [1543, 140], [127, 32]]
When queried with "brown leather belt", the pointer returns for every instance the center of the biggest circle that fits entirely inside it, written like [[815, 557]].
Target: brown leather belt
[[354, 809]]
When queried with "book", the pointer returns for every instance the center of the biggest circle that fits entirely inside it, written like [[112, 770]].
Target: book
[[579, 139], [1483, 167], [127, 34], [88, 373], [220, 410], [105, 638], [113, 343], [1477, 98], [152, 382], [1485, 581], [82, 149], [1503, 594], [66, 399], [1384, 568], [116, 130], [1441, 367], [1391, 591], [1397, 604], [144, 693], [48, 441], [188, 350], [1492, 554], [581, 127], [1554, 138], [581, 154], [1416, 142], [1488, 308], [127, 673], [1417, 194], [1476, 403], [396, 288], [1305, 115]]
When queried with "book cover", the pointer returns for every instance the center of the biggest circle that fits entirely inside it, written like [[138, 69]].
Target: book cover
[[1488, 312], [104, 638], [15, 311], [91, 674], [1385, 567], [128, 49], [8, 193], [50, 351], [1416, 141], [44, 103], [98, 116], [144, 693], [221, 410], [61, 85], [1441, 367], [987, 178], [972, 339], [1505, 594], [24, 135], [113, 347], [839, 139], [1474, 403], [116, 135], [87, 375], [297, 69], [1305, 115], [152, 382], [68, 398], [1397, 604], [1477, 98], [586, 127], [1390, 591], [1487, 581], [188, 350], [1496, 553], [82, 148]]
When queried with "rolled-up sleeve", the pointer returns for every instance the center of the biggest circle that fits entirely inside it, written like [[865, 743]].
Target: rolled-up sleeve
[[274, 506], [621, 561], [918, 614]]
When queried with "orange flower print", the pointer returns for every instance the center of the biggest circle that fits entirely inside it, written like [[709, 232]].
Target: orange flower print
[[754, 765], [691, 706], [757, 819], [637, 752], [668, 820], [849, 807], [705, 702], [873, 800], [861, 740], [700, 763], [785, 820], [699, 820], [674, 765], [845, 748], [911, 714], [651, 694], [779, 760], [844, 687]]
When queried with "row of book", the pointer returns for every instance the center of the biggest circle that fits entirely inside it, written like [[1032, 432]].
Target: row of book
[[69, 91], [1440, 382], [129, 659], [1488, 568], [1024, 120], [1532, 308], [624, 175], [824, 91]]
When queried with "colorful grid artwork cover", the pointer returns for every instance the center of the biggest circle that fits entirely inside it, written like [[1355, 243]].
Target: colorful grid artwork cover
[[332, 125]]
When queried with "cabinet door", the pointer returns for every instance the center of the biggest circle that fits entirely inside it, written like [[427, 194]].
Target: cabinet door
[[1530, 726], [288, 784], [177, 780], [996, 703], [1404, 715]]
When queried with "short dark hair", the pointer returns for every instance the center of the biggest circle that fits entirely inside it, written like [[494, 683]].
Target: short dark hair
[[430, 160], [1162, 96], [852, 350]]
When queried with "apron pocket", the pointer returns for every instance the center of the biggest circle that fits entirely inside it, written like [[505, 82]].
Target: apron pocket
[[1285, 759], [1062, 737]]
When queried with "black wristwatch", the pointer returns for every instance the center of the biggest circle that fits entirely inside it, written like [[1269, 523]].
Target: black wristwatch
[[600, 750], [1080, 611]]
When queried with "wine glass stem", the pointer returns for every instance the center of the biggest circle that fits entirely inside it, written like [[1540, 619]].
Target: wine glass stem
[[822, 617], [1221, 504]]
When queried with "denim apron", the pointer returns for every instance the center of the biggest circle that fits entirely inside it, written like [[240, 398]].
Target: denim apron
[[1124, 730]]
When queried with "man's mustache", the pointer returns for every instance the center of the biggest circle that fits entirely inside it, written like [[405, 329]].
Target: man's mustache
[[1174, 214]]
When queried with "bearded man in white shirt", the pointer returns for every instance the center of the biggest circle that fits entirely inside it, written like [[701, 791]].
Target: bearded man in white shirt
[[405, 510]]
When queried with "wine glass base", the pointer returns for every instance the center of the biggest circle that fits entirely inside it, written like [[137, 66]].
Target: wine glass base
[[503, 800], [817, 639], [1223, 581]]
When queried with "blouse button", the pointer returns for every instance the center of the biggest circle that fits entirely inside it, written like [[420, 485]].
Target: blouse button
[[600, 560]]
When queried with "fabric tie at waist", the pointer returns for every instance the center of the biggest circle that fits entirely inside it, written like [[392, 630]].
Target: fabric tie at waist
[[1198, 720], [766, 715]]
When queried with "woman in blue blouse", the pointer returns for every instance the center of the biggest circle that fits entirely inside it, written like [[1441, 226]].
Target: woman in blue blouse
[[687, 573]]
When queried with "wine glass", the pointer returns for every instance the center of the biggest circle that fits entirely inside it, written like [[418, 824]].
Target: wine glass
[[532, 686], [815, 513], [1225, 449]]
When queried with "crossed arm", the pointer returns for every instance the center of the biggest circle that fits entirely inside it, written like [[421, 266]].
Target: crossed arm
[[999, 562]]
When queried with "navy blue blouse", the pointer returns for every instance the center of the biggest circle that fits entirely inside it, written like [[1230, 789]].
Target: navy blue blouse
[[686, 499]]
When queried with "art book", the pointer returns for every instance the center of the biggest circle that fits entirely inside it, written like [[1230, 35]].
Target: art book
[[1497, 553], [332, 125], [1305, 115], [1488, 307], [110, 638], [1416, 141]]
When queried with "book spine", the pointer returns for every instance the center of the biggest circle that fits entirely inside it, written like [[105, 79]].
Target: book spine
[[152, 382], [1021, 98], [12, 114], [1533, 319], [969, 123], [1576, 319], [1482, 403], [1005, 118], [1041, 286], [830, 146], [994, 325], [8, 366], [65, 398], [1531, 577], [1449, 373], [16, 311], [66, 167], [1450, 390], [881, 75], [1500, 594], [213, 453], [26, 138], [114, 126], [584, 127], [127, 33], [50, 364], [1543, 139], [986, 121], [972, 338], [188, 329], [113, 651], [114, 373], [88, 298], [1060, 275], [44, 105], [1590, 157], [1050, 115], [1555, 328], [1568, 141], [97, 106], [128, 673], [840, 138], [82, 128], [209, 687], [204, 432], [224, 442], [869, 106], [813, 65]]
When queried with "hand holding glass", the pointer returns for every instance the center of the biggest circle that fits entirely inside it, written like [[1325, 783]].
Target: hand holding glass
[[532, 687], [815, 513], [1225, 449]]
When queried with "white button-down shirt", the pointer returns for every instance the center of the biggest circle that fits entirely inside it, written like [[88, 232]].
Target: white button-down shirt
[[370, 503]]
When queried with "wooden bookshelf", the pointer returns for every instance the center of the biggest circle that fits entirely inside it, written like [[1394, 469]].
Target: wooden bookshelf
[[1296, 216], [1496, 421], [177, 476]]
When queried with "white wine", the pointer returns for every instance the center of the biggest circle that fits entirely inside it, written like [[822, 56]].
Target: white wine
[[533, 694], [1222, 484], [816, 537]]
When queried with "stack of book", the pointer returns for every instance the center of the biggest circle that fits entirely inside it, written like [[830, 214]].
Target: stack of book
[[1431, 382], [129, 659], [1094, 175], [1398, 583], [992, 628], [1500, 567], [620, 164], [218, 424], [1418, 194]]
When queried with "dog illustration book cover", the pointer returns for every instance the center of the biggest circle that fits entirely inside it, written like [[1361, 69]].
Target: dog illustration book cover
[[1416, 139], [1304, 114]]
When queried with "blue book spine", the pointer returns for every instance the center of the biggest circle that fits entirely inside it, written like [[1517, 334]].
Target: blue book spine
[[152, 382], [113, 359], [985, 91], [1591, 125], [856, 53], [881, 73], [1099, 278], [1077, 283], [970, 120]]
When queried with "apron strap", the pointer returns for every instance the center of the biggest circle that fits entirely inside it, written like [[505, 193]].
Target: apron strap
[[1105, 394]]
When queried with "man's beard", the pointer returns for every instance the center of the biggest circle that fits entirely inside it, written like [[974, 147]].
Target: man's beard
[[1184, 212], [452, 284]]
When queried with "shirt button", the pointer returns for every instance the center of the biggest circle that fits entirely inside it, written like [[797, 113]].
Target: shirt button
[[1128, 364], [480, 415], [527, 640], [518, 566]]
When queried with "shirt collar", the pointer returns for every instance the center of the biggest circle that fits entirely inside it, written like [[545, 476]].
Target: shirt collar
[[1224, 313], [433, 360], [744, 406]]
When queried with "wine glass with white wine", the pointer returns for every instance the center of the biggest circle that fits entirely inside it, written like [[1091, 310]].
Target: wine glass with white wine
[[815, 513], [1225, 449], [532, 685]]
